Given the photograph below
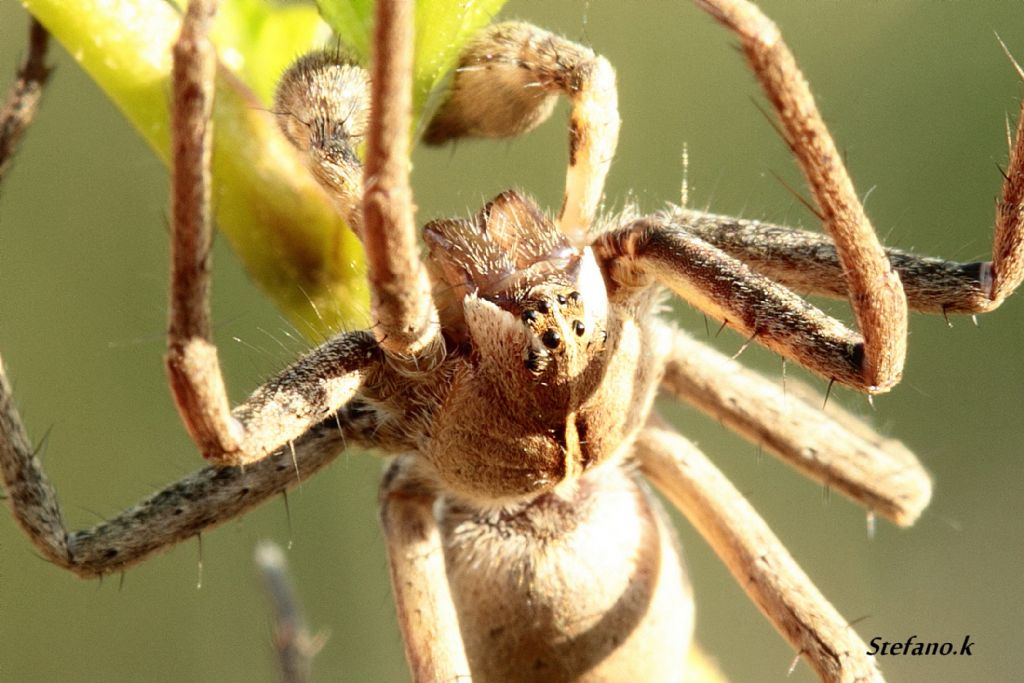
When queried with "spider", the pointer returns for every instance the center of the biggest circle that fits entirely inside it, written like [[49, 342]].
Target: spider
[[511, 205]]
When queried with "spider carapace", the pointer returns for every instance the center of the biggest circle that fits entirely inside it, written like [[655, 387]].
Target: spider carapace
[[536, 393]]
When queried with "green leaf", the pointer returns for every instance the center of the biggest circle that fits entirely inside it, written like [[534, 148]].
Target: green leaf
[[352, 21], [258, 40]]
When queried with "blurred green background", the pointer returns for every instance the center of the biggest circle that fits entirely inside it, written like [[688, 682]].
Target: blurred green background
[[916, 94]]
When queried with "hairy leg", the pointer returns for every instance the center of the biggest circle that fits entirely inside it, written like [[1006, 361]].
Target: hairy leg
[[312, 388], [728, 290], [192, 364], [426, 614], [876, 294], [807, 262], [23, 99], [182, 510], [304, 395], [834, 449], [405, 319], [505, 84], [756, 558]]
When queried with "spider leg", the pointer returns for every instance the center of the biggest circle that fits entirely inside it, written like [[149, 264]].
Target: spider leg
[[193, 368], [322, 104], [426, 613], [876, 295], [306, 393], [835, 450], [505, 84], [309, 403], [727, 289], [406, 321], [182, 510], [1008, 243], [807, 261], [282, 410], [756, 558]]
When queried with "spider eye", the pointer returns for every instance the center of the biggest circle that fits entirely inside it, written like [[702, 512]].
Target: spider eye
[[544, 307], [561, 300], [574, 296], [578, 327], [551, 339], [529, 316]]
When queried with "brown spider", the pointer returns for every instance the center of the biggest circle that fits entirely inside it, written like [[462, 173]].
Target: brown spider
[[569, 432]]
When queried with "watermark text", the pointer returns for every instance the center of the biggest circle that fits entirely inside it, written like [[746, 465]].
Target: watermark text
[[913, 647]]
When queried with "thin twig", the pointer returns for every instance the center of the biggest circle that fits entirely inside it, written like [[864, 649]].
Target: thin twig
[[294, 644], [24, 96]]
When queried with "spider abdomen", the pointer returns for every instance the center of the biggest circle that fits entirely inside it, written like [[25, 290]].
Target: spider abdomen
[[580, 585]]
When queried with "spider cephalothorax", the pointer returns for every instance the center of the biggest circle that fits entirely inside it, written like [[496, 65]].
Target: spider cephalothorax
[[535, 359], [511, 377]]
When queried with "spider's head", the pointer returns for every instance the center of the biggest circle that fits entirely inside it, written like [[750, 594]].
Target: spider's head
[[511, 285], [528, 313]]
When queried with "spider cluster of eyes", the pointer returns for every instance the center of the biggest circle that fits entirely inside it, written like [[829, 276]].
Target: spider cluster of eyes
[[537, 318]]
